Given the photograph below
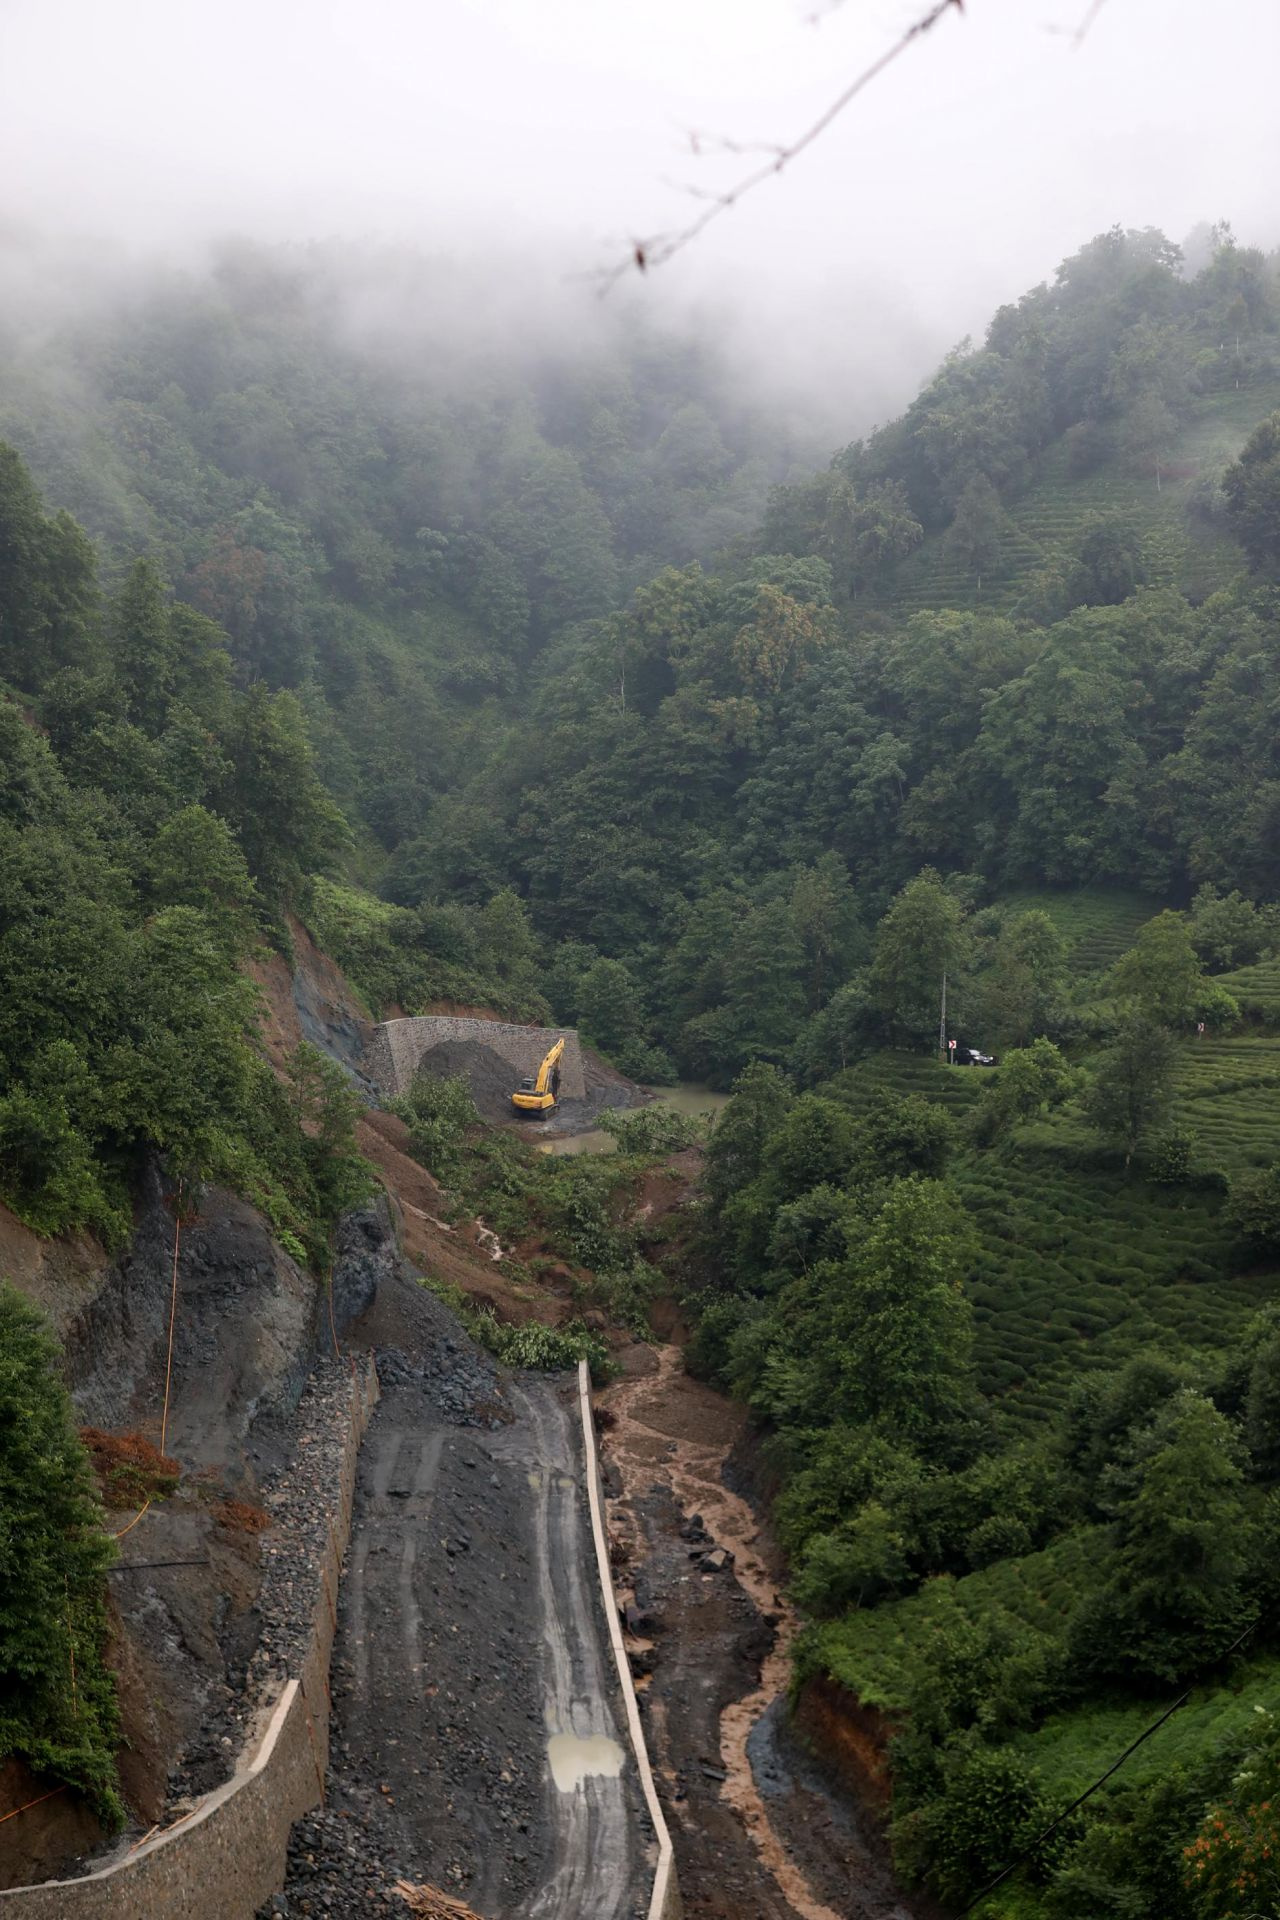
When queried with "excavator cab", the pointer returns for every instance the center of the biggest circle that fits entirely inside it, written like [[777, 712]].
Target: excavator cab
[[538, 1097]]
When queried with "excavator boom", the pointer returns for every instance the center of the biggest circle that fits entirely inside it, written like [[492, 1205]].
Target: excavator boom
[[540, 1096]]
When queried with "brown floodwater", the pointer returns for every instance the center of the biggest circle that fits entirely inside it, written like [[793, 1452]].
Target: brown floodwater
[[687, 1096]]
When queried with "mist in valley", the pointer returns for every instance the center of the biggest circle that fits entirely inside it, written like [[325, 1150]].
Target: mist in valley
[[516, 512], [480, 169]]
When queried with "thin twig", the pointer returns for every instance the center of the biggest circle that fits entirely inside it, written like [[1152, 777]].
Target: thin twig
[[1086, 24], [656, 251]]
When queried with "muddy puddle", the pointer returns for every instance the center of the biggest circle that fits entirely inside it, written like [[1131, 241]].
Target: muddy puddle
[[574, 1758], [688, 1096]]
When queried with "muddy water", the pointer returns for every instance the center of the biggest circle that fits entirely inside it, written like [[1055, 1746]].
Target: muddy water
[[594, 1140], [688, 1096], [573, 1758], [646, 1412]]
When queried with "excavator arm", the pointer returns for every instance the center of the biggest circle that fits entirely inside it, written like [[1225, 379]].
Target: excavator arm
[[541, 1095]]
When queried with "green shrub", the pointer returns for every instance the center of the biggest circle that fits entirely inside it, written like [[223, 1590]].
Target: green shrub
[[546, 1349], [57, 1696], [1171, 1157], [990, 1809], [439, 1112], [655, 1129], [1253, 1209], [628, 1294]]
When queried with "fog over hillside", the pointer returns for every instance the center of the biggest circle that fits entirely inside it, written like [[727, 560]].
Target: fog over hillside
[[540, 142]]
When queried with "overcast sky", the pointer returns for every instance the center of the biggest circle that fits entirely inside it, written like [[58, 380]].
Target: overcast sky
[[552, 127]]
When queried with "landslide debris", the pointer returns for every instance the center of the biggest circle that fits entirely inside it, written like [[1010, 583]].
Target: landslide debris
[[491, 1078]]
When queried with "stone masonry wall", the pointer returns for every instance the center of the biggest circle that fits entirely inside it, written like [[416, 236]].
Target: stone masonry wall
[[228, 1856], [396, 1051]]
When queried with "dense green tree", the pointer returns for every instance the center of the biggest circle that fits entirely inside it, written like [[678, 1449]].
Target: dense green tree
[[48, 593], [286, 823], [59, 1710], [1029, 1081], [903, 1134], [1252, 489], [1022, 993], [1174, 1596], [825, 911], [1109, 563], [1160, 975], [921, 938], [327, 1107], [862, 1562], [195, 861], [1254, 1208], [811, 1145], [979, 528], [1228, 931], [144, 647], [896, 1327], [1128, 1096]]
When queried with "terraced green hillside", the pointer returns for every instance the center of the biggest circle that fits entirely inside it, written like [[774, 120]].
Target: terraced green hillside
[[1083, 1264], [1050, 518], [1229, 1099], [1257, 988], [1081, 1267], [868, 1652], [1098, 923]]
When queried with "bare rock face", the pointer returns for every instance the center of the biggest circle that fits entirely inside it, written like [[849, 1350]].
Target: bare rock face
[[242, 1332], [365, 1257]]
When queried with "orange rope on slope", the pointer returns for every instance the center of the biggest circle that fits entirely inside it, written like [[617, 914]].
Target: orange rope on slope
[[133, 1523], [337, 1350], [30, 1803], [168, 1365], [173, 1314]]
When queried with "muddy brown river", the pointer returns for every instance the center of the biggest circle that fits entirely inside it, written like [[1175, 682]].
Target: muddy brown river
[[758, 1834]]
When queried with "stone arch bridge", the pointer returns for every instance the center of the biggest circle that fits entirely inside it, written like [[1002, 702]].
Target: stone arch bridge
[[399, 1048]]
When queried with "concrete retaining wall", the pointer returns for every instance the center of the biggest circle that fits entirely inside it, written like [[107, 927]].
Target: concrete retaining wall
[[396, 1051], [227, 1856], [664, 1901]]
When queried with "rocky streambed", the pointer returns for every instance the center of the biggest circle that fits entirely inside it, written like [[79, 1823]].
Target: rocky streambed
[[756, 1828]]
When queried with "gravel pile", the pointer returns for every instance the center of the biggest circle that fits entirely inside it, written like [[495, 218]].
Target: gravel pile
[[336, 1867], [492, 1079], [420, 1344], [303, 1503], [456, 1386]]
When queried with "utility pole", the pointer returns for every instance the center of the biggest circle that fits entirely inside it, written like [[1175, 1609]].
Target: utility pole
[[942, 1020]]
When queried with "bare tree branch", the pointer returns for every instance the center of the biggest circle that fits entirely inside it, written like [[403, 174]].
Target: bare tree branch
[[1083, 29], [656, 250]]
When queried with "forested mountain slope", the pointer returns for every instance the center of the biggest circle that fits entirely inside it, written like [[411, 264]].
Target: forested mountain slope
[[1008, 635], [542, 687], [388, 505]]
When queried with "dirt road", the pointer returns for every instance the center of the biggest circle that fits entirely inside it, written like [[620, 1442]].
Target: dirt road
[[756, 1832], [476, 1742]]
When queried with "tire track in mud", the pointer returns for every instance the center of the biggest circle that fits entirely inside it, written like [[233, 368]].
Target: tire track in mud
[[469, 1637], [591, 1821], [656, 1447]]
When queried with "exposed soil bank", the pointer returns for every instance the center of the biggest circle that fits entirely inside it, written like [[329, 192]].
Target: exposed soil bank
[[755, 1828], [186, 1611]]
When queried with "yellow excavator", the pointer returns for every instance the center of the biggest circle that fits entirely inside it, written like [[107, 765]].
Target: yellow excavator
[[540, 1096]]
